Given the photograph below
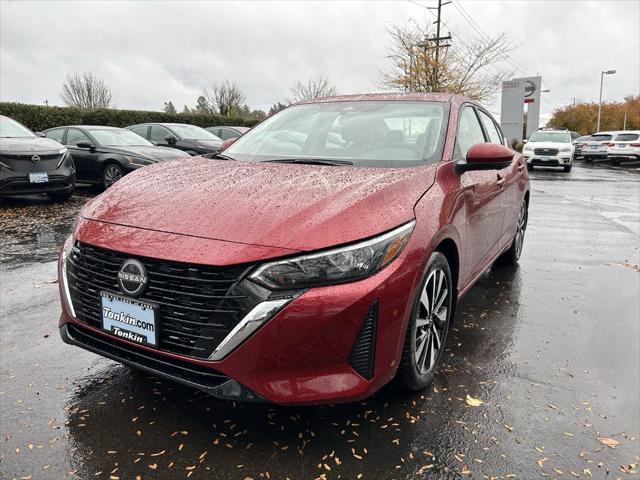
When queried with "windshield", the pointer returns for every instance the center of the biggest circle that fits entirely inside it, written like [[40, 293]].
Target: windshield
[[191, 132], [118, 138], [556, 137], [372, 134], [12, 129]]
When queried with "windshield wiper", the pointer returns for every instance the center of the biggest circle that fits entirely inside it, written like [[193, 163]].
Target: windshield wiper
[[310, 161]]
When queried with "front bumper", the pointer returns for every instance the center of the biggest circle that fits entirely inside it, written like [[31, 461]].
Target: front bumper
[[18, 184], [559, 160], [302, 355]]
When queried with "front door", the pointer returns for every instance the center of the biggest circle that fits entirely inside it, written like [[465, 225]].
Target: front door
[[483, 197], [85, 160]]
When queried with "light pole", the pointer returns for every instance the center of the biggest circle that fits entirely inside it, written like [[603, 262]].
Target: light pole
[[602, 74]]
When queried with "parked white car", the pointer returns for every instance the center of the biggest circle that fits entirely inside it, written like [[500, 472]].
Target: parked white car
[[597, 146], [625, 146], [549, 147]]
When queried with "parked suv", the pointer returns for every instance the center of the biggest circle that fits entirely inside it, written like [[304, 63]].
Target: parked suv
[[30, 164], [625, 146], [549, 147], [578, 143], [300, 273], [189, 138], [597, 146]]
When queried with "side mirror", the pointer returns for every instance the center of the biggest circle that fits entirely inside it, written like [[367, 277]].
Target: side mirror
[[170, 139], [487, 156], [40, 134], [87, 145], [524, 141], [227, 143]]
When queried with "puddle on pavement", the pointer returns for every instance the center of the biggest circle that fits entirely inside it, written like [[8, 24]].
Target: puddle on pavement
[[33, 228]]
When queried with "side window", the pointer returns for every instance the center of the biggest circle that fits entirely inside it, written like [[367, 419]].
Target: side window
[[490, 128], [75, 136], [140, 130], [159, 134], [55, 134], [469, 132]]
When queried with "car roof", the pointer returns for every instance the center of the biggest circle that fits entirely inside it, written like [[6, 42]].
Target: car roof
[[165, 124], [86, 127], [393, 97]]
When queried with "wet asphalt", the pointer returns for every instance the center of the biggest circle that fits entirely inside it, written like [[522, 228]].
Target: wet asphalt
[[551, 348]]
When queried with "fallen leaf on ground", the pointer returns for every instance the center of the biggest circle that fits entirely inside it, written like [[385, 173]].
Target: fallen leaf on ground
[[474, 402]]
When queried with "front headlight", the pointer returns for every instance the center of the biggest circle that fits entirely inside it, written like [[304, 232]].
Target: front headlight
[[565, 149], [65, 156], [139, 161], [527, 148], [339, 265]]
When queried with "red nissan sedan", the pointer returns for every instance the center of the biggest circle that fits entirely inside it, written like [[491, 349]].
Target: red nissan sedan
[[317, 258]]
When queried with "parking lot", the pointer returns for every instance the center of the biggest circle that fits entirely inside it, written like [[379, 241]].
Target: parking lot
[[550, 348]]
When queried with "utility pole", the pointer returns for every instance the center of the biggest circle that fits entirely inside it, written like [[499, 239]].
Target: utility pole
[[437, 39], [624, 125]]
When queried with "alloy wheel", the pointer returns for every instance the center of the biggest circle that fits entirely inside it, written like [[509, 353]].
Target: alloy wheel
[[112, 173], [520, 228], [431, 322]]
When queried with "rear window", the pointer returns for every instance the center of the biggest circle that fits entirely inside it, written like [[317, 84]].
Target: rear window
[[600, 138], [627, 137]]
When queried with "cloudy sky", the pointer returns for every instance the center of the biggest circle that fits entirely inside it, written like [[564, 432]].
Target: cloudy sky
[[155, 51]]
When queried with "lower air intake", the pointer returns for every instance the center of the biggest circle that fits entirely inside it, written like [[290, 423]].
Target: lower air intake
[[362, 354]]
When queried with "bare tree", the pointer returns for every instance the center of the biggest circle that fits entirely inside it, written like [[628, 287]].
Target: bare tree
[[86, 91], [312, 88], [464, 68], [226, 98]]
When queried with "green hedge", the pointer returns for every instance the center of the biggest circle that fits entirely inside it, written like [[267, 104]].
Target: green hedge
[[40, 117]]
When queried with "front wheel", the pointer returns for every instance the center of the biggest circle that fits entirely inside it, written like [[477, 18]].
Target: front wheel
[[512, 255], [428, 326], [567, 168], [111, 174]]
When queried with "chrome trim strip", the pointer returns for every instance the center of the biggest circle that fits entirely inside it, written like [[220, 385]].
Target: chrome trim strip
[[65, 282], [249, 324]]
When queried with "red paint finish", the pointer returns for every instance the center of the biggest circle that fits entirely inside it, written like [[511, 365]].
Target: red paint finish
[[223, 213]]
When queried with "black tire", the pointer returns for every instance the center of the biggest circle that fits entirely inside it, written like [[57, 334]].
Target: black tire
[[111, 173], [567, 168], [512, 256], [529, 167], [412, 376], [60, 196]]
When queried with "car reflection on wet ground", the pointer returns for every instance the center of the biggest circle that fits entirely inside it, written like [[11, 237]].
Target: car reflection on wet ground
[[551, 349]]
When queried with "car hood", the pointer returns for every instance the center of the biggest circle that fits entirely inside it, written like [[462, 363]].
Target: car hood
[[157, 154], [29, 145], [299, 207]]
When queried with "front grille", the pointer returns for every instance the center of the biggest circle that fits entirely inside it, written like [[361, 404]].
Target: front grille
[[363, 350], [546, 151], [198, 304], [23, 163]]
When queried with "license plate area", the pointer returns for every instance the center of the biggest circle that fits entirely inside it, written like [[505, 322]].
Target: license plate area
[[129, 318], [38, 177], [544, 159]]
